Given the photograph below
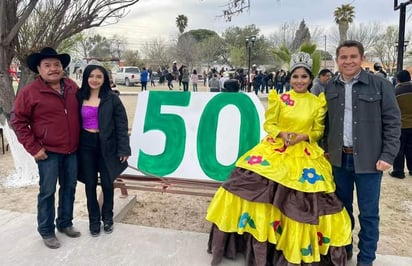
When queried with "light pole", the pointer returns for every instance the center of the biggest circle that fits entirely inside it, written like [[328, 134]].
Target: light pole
[[250, 42], [324, 56], [401, 38]]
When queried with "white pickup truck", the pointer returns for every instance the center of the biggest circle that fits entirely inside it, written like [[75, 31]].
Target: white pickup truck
[[127, 75]]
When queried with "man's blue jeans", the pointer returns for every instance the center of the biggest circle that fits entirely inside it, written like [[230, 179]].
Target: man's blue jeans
[[368, 188], [61, 167]]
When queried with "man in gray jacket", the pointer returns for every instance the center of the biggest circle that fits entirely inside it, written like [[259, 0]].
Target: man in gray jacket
[[320, 82], [363, 129]]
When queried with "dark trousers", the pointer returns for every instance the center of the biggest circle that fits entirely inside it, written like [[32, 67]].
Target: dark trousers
[[144, 85], [405, 151], [279, 87], [185, 85], [368, 188], [61, 168], [91, 163], [170, 84]]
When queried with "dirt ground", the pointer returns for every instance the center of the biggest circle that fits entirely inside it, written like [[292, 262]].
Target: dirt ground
[[183, 212]]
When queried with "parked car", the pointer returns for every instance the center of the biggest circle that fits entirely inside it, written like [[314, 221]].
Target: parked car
[[128, 75]]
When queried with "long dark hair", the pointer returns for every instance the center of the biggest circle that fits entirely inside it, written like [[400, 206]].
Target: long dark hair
[[85, 88]]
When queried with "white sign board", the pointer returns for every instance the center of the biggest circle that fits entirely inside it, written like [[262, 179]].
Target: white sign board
[[194, 135]]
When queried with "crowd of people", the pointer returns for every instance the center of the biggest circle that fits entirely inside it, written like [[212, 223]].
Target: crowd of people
[[288, 201]]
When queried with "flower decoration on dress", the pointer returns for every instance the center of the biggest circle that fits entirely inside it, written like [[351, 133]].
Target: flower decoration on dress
[[256, 160], [277, 227], [270, 139], [310, 175], [283, 149], [322, 239], [246, 219], [287, 100], [307, 251]]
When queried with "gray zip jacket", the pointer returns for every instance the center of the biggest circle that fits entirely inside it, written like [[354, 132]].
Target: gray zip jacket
[[375, 122]]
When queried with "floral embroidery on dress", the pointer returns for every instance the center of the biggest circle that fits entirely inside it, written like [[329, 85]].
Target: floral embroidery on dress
[[277, 227], [322, 239], [307, 251], [310, 175], [287, 100], [270, 140], [283, 149], [256, 160], [246, 219]]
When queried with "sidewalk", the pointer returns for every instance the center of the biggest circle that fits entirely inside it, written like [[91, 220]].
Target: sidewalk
[[127, 245]]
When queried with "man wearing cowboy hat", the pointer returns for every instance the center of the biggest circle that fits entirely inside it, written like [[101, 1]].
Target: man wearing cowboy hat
[[46, 121]]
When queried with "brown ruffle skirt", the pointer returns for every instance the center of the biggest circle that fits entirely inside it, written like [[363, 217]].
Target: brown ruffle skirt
[[300, 206]]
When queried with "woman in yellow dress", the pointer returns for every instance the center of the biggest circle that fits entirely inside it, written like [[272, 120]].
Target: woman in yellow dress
[[278, 206]]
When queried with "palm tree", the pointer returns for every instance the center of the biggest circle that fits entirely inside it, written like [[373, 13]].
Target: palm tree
[[344, 15], [181, 23]]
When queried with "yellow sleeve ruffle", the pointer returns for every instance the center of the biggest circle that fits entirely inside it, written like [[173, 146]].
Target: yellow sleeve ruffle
[[319, 121], [272, 114]]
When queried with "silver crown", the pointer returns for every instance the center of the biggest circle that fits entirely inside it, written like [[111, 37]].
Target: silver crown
[[300, 59]]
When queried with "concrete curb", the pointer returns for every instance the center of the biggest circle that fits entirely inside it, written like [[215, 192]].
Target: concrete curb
[[127, 245]]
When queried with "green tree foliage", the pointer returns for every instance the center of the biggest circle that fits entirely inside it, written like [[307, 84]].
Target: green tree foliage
[[210, 50], [131, 58], [181, 23], [98, 46], [282, 55], [235, 39], [344, 15], [199, 34]]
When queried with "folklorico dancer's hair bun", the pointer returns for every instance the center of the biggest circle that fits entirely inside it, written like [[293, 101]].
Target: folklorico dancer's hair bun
[[301, 59]]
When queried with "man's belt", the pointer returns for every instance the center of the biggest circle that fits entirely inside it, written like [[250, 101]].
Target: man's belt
[[347, 150]]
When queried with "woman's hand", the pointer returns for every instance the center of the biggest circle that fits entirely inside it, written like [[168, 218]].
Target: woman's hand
[[291, 138], [123, 158], [297, 137], [286, 137]]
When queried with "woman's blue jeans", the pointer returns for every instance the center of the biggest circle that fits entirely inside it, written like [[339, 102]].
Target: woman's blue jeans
[[368, 187], [62, 168]]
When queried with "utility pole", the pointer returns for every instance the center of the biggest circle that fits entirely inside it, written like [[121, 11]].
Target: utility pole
[[324, 56], [250, 42], [401, 38]]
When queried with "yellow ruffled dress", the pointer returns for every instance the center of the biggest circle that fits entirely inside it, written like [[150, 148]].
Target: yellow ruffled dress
[[300, 167]]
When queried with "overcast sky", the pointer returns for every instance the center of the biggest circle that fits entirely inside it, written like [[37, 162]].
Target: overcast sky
[[151, 19]]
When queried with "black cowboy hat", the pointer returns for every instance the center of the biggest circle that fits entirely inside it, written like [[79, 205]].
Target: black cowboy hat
[[34, 59]]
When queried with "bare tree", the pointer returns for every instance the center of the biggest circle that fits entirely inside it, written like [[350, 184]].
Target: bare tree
[[234, 7], [186, 50], [368, 34], [386, 48], [158, 52], [284, 35], [11, 19], [29, 25]]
